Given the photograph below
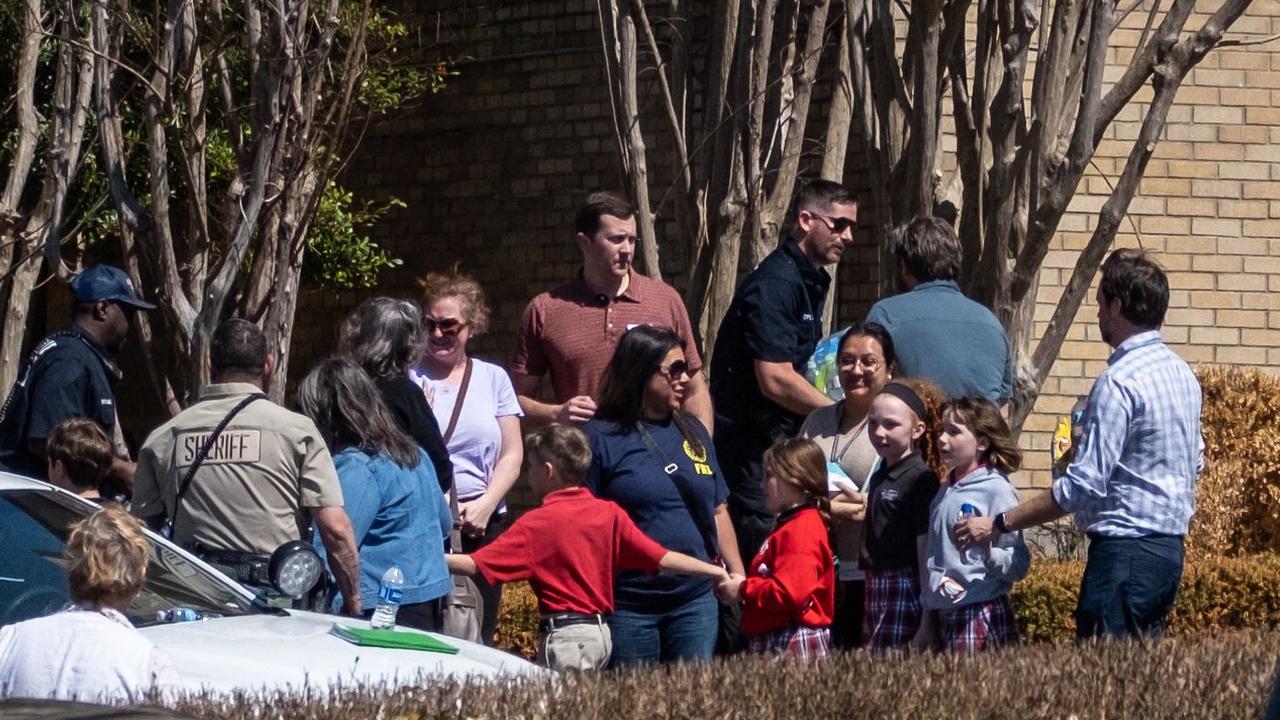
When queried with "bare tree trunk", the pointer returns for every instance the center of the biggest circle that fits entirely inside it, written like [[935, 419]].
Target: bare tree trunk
[[755, 162], [38, 238], [788, 169], [732, 218], [723, 199], [925, 28], [1175, 61], [619, 34], [26, 132], [13, 251], [639, 175], [839, 124]]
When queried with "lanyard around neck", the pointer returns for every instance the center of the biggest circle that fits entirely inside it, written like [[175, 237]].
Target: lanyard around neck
[[838, 453]]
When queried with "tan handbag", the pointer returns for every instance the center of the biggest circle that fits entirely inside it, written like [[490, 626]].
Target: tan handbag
[[464, 606]]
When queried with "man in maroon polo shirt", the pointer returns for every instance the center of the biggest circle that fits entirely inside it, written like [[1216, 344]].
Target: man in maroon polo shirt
[[571, 331]]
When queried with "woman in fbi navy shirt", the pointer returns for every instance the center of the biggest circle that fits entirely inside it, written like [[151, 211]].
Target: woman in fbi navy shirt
[[658, 463]]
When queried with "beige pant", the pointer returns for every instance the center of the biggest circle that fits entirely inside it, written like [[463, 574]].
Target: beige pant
[[576, 647]]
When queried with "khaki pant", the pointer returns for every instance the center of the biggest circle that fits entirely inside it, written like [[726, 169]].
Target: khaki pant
[[576, 647]]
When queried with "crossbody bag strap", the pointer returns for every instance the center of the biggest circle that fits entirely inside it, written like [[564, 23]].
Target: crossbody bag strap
[[671, 470], [455, 533], [202, 453], [457, 404]]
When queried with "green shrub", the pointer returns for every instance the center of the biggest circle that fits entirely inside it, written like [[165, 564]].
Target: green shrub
[[1216, 594], [1227, 676], [1045, 601]]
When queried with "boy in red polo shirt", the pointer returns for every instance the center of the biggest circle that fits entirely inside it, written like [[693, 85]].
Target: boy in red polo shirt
[[569, 550]]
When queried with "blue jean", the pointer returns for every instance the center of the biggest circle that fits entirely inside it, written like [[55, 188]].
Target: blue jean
[[1129, 585], [686, 632]]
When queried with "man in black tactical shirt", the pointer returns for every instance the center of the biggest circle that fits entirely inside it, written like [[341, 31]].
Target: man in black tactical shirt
[[69, 375]]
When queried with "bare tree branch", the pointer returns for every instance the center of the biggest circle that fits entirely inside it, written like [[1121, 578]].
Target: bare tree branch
[[1174, 65], [1240, 42], [668, 103]]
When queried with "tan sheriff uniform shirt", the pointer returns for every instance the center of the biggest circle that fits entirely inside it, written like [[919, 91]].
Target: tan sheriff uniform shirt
[[252, 490]]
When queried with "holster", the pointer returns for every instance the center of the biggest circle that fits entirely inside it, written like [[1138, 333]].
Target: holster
[[244, 567]]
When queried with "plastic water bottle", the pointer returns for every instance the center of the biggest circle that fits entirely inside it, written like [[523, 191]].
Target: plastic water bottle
[[388, 599], [972, 555], [177, 615]]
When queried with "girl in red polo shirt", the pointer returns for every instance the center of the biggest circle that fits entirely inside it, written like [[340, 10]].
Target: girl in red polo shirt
[[788, 596]]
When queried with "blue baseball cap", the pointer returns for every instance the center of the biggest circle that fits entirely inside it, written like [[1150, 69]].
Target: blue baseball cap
[[104, 282]]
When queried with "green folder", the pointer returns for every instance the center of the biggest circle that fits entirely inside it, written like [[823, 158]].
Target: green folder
[[392, 639]]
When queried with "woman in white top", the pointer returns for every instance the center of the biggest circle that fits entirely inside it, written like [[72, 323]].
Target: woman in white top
[[484, 443], [90, 651], [864, 360]]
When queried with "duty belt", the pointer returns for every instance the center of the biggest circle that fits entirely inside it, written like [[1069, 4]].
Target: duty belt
[[245, 567]]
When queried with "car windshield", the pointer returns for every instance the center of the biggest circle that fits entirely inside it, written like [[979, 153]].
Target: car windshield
[[33, 580]]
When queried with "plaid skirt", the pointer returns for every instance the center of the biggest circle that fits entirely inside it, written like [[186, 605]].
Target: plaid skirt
[[979, 626], [797, 641], [893, 611]]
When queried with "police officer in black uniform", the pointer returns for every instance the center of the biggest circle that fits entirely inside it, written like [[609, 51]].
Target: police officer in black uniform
[[69, 374], [758, 386]]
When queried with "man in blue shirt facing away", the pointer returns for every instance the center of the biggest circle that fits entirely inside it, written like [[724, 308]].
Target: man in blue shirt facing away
[[938, 333], [1131, 487]]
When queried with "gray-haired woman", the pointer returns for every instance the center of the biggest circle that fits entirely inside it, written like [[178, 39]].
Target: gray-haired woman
[[384, 336]]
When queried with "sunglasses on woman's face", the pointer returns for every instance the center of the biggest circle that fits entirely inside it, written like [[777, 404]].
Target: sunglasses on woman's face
[[675, 370], [448, 326]]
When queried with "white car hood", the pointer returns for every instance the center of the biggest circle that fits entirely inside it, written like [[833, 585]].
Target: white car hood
[[271, 652]]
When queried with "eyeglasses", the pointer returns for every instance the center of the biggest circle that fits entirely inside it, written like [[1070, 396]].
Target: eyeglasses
[[835, 225], [448, 326], [675, 370], [870, 364]]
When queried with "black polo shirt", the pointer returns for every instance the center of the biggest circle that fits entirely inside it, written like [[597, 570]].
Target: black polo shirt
[[68, 375], [776, 316], [897, 513]]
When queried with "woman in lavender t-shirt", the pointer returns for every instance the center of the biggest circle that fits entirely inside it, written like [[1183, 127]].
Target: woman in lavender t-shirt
[[485, 445]]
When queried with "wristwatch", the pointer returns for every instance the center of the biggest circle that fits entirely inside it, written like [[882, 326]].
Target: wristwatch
[[1000, 524]]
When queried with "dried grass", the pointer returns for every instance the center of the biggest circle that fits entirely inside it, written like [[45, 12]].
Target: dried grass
[[1213, 677]]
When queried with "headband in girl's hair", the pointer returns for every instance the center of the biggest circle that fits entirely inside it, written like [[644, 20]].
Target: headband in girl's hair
[[906, 395]]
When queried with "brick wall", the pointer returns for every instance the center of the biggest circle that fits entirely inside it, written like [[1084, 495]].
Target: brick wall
[[493, 167]]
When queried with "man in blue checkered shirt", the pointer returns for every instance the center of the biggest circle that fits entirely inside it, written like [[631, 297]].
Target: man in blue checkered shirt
[[1131, 487]]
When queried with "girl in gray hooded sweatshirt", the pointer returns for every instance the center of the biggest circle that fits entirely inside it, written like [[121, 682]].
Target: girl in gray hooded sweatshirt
[[969, 589]]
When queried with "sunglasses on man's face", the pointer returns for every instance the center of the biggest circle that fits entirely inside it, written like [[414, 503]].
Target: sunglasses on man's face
[[448, 326], [675, 370], [836, 225]]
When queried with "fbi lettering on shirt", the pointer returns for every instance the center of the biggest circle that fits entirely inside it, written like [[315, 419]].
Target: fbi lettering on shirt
[[699, 458], [232, 446]]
